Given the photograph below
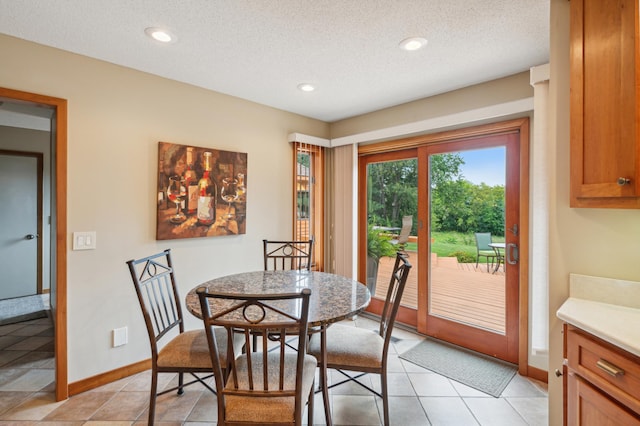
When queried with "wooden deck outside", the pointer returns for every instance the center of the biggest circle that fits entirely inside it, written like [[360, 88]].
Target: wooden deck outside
[[459, 291]]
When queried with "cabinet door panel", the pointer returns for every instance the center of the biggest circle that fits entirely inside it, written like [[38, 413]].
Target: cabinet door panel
[[604, 97], [588, 407]]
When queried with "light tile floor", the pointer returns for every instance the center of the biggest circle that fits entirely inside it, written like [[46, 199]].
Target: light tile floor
[[417, 396]]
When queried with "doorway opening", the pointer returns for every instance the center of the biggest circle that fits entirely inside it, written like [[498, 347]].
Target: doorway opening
[[21, 249], [58, 218], [426, 177]]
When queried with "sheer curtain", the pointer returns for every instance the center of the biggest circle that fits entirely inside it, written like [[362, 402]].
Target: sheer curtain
[[343, 175]]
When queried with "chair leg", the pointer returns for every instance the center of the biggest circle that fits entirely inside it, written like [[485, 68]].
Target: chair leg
[[310, 403], [385, 397], [152, 397], [323, 375], [180, 383]]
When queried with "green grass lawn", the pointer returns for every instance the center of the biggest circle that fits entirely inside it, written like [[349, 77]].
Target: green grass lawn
[[453, 244]]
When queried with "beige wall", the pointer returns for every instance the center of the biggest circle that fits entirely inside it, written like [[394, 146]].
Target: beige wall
[[482, 95], [116, 118]]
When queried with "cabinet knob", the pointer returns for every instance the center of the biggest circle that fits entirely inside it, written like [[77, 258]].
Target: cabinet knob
[[623, 181], [558, 373]]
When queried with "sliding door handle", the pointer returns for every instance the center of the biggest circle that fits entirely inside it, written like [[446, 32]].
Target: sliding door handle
[[512, 254]]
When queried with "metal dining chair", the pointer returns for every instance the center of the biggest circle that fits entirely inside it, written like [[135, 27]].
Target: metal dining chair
[[267, 384], [187, 352], [279, 255], [361, 350], [287, 255]]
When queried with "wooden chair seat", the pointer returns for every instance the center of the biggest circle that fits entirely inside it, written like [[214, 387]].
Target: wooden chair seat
[[191, 348], [350, 348], [278, 410]]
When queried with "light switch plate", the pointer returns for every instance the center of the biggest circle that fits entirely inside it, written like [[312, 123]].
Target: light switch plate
[[84, 240]]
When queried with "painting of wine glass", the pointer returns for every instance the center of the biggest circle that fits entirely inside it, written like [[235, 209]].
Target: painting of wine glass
[[229, 193], [176, 193], [201, 192]]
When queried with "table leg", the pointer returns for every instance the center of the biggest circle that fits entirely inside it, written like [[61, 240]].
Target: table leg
[[498, 259], [323, 374]]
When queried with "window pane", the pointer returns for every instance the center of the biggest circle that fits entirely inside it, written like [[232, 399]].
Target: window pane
[[392, 204]]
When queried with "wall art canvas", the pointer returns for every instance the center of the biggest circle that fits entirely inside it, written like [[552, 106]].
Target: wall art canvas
[[201, 192]]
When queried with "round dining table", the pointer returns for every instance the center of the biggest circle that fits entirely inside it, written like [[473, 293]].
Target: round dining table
[[497, 247], [333, 298]]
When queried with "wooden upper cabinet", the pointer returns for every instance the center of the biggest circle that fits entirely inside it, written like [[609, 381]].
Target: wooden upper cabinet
[[605, 88]]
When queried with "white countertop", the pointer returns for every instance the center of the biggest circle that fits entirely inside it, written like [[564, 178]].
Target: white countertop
[[607, 308]]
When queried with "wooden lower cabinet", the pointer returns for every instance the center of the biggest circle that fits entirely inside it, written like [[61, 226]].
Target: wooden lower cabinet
[[603, 382], [587, 406]]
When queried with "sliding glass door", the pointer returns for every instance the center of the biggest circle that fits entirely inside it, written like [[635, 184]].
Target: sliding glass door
[[472, 210], [462, 196], [392, 212]]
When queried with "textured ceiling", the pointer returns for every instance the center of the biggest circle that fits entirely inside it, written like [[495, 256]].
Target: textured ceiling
[[260, 50]]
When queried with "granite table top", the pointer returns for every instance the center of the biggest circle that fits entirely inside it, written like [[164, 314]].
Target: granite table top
[[333, 297]]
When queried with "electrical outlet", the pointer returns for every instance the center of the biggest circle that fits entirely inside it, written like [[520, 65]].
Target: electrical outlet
[[120, 336]]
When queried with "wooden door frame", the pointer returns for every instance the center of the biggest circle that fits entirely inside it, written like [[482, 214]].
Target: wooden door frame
[[59, 153], [519, 125]]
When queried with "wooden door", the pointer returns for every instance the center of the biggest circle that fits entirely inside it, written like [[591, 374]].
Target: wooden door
[[20, 247], [510, 344], [471, 303]]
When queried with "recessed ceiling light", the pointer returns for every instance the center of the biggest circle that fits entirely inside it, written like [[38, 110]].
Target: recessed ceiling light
[[159, 34], [306, 87], [413, 43]]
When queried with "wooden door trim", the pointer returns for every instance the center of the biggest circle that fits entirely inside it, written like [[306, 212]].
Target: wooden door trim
[[59, 311], [510, 126]]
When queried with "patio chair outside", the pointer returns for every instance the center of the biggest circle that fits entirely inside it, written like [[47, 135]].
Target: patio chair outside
[[405, 231], [483, 239]]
